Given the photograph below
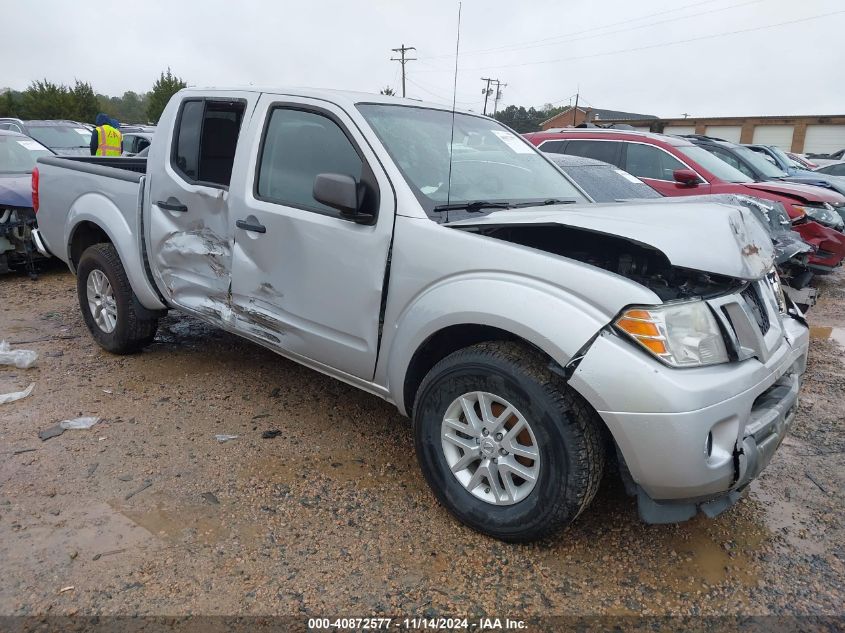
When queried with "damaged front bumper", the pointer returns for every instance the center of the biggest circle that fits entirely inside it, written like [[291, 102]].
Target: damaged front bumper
[[692, 439]]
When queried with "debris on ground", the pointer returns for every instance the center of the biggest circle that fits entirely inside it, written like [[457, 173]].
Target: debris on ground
[[20, 358], [79, 423], [16, 395], [23, 450], [93, 468], [114, 551], [68, 588], [51, 432], [225, 438], [269, 435], [211, 498], [140, 488]]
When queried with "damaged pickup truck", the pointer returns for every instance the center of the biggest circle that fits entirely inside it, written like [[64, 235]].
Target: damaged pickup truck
[[442, 263]]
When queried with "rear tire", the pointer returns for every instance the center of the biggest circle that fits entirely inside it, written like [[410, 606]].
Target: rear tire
[[110, 309], [558, 426]]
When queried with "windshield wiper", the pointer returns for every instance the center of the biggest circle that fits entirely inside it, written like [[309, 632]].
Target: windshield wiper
[[545, 203], [472, 207]]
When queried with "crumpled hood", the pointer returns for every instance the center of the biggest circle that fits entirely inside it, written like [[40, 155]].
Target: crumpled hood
[[805, 193], [16, 190], [713, 238]]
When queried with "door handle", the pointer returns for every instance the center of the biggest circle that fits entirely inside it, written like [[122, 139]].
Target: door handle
[[172, 206], [247, 226]]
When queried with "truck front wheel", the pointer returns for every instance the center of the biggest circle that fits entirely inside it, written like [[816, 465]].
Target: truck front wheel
[[504, 444], [115, 318]]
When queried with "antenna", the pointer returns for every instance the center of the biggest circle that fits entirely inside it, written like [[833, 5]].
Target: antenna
[[454, 100]]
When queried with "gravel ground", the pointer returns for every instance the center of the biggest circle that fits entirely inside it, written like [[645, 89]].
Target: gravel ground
[[332, 516]]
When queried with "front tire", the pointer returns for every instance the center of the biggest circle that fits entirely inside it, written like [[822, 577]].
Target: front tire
[[110, 309], [505, 445]]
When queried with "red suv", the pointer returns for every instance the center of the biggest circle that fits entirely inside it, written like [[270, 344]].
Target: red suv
[[675, 167]]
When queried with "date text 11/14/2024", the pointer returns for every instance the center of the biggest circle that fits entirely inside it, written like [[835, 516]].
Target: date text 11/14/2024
[[417, 624]]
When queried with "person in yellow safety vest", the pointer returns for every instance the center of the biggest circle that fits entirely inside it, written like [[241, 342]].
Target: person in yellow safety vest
[[106, 139]]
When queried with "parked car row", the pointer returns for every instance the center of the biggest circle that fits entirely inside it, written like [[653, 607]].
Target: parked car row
[[678, 166], [71, 138]]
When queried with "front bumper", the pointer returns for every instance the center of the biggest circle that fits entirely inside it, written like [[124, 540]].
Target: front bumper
[[693, 437]]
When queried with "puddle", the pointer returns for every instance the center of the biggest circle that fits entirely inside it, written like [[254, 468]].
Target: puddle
[[202, 524], [826, 333]]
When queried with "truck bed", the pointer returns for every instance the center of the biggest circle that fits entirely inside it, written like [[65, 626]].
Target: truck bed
[[129, 168]]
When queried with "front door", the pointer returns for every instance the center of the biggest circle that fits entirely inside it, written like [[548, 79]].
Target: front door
[[189, 229], [305, 280]]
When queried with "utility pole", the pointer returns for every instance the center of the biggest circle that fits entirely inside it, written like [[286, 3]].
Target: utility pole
[[575, 110], [499, 86], [487, 92], [402, 60]]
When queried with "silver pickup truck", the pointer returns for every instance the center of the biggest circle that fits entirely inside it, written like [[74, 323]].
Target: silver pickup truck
[[438, 261]]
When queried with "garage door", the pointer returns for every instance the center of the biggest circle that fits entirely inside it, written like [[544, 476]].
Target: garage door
[[777, 135], [642, 128], [824, 139], [728, 132], [679, 129]]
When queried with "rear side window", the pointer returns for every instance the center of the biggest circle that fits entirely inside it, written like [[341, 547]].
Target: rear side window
[[555, 147], [298, 145], [647, 161], [834, 170], [206, 139], [607, 151]]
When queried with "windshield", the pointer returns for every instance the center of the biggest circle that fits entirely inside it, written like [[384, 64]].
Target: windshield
[[606, 183], [489, 162], [18, 154], [713, 164], [60, 136], [758, 162]]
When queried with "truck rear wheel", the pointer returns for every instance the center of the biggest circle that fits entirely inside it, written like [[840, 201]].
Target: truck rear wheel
[[112, 312], [505, 445]]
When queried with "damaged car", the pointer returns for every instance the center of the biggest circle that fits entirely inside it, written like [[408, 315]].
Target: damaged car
[[439, 261], [18, 154]]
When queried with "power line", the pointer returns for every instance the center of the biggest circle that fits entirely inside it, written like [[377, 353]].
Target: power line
[[662, 44], [590, 30], [403, 60]]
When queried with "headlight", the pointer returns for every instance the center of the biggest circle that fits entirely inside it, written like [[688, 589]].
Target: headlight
[[822, 215], [681, 334]]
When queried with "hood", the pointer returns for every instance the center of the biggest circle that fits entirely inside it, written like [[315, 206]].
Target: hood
[[805, 193], [16, 190], [713, 238]]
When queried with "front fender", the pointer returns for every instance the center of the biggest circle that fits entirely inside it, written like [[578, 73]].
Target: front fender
[[555, 321], [98, 209]]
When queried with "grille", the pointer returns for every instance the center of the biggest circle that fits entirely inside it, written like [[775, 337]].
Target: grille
[[758, 309]]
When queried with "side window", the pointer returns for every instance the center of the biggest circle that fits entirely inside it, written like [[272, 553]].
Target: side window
[[206, 139], [734, 162], [555, 147], [838, 170], [297, 146], [141, 143], [129, 143], [607, 151], [648, 161]]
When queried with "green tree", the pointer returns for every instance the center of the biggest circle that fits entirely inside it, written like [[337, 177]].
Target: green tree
[[46, 100], [165, 87], [10, 104], [83, 102]]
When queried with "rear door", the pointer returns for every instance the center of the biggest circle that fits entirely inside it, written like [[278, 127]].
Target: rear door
[[304, 279], [190, 235], [655, 166]]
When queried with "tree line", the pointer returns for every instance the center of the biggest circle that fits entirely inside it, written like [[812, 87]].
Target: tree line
[[44, 99], [527, 120]]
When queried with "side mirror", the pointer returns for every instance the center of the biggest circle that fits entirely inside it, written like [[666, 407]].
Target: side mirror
[[686, 177], [343, 193]]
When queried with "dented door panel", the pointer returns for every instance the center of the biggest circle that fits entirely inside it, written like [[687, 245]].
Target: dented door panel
[[311, 284], [189, 228]]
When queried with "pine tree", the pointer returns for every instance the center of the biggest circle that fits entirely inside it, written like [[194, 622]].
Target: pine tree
[[165, 87]]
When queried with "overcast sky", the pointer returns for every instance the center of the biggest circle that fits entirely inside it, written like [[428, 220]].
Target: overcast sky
[[544, 50]]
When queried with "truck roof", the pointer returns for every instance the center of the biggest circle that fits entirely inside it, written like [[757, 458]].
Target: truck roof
[[341, 97]]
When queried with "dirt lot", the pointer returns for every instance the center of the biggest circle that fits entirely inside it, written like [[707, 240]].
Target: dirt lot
[[332, 516]]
